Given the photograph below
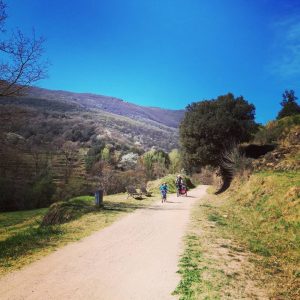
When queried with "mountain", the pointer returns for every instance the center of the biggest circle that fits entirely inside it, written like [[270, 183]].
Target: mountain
[[56, 144], [113, 105], [84, 118]]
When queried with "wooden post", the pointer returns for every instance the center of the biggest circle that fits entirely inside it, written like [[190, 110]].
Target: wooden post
[[99, 198]]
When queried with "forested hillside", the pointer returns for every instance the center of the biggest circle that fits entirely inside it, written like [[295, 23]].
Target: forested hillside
[[62, 145]]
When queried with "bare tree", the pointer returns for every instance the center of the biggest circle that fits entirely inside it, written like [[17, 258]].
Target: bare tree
[[21, 59], [3, 15]]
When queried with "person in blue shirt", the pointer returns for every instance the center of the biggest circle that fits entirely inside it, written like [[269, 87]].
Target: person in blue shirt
[[163, 190]]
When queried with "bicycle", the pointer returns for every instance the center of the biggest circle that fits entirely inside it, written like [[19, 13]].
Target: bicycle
[[163, 196]]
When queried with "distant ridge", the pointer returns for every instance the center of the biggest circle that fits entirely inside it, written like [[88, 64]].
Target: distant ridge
[[113, 105]]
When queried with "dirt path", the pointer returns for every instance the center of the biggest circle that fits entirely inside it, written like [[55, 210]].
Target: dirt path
[[135, 258]]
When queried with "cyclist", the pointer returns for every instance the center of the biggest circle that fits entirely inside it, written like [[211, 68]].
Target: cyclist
[[163, 190], [179, 183]]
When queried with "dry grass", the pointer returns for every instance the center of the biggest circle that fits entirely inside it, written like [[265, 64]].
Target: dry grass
[[213, 265], [263, 213], [244, 244]]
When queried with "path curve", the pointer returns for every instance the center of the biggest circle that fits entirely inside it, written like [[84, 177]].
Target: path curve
[[134, 258]]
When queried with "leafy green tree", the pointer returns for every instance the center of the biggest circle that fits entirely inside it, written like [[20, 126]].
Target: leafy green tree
[[175, 161], [105, 154], [94, 154], [156, 163], [289, 105], [147, 162], [210, 127]]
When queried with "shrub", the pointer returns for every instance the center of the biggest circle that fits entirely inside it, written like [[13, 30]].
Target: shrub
[[155, 163], [153, 186], [235, 162], [62, 212], [175, 161], [277, 130]]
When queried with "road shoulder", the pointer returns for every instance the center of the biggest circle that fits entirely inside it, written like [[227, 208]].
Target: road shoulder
[[213, 265]]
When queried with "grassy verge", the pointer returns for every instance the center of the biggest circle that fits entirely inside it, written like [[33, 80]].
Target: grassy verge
[[200, 279], [23, 240], [202, 276], [245, 243], [264, 215]]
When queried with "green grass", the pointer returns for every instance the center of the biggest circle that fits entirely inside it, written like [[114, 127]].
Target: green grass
[[201, 277], [170, 180], [23, 239], [217, 218], [189, 268], [193, 269], [13, 222]]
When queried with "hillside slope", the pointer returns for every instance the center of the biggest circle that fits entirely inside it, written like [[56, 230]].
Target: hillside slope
[[262, 210], [55, 145], [114, 105], [263, 214], [110, 117]]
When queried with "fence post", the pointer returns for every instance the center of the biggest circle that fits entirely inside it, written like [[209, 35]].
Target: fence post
[[99, 198]]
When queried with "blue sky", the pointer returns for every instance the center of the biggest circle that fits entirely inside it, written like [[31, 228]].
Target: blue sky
[[169, 53]]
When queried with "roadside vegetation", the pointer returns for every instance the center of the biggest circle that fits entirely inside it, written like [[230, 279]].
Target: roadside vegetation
[[264, 215], [170, 180], [214, 265], [253, 229], [244, 242]]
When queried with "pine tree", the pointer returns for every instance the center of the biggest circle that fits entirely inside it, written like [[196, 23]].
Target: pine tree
[[289, 105]]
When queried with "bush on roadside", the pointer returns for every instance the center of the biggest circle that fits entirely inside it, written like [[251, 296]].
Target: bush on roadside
[[62, 212], [170, 179]]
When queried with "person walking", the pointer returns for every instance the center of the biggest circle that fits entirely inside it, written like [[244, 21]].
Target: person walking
[[163, 190]]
